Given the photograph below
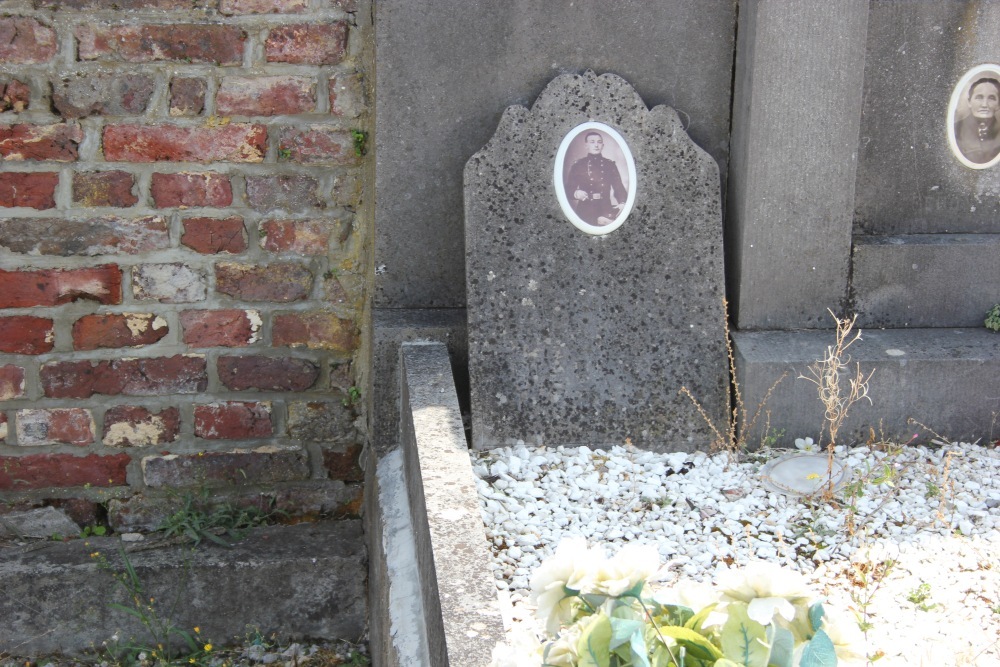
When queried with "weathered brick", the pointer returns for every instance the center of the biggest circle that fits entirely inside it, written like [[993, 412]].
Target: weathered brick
[[3, 427], [168, 283], [316, 145], [341, 376], [231, 7], [57, 426], [38, 471], [91, 332], [107, 235], [302, 237], [211, 236], [14, 96], [279, 282], [24, 41], [267, 373], [315, 330], [186, 189], [199, 43], [347, 97], [53, 287], [264, 465], [57, 143], [124, 4], [266, 95], [234, 420], [26, 334], [220, 328], [235, 142], [136, 426], [322, 421], [87, 94], [187, 96], [343, 463], [180, 374], [343, 290], [293, 193], [11, 382], [104, 188], [30, 189], [307, 43]]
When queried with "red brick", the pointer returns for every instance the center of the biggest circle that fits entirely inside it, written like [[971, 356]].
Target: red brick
[[24, 41], [265, 465], [180, 374], [233, 420], [307, 43], [302, 237], [347, 98], [186, 189], [288, 192], [26, 473], [30, 189], [266, 95], [317, 145], [211, 236], [343, 463], [11, 382], [14, 96], [187, 96], [324, 422], [53, 287], [26, 334], [278, 282], [236, 142], [104, 188], [220, 328], [199, 43], [114, 94], [262, 6], [267, 373], [58, 142], [108, 235], [57, 426], [91, 332], [315, 330], [168, 283], [136, 426], [125, 4]]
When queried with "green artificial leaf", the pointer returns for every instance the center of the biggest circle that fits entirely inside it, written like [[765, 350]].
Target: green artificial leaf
[[696, 644], [593, 644], [725, 662], [744, 640], [635, 591], [640, 653], [782, 647], [669, 614], [697, 620], [816, 616], [819, 652]]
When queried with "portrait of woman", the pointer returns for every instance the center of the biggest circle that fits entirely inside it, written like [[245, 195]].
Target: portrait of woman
[[973, 125], [595, 178]]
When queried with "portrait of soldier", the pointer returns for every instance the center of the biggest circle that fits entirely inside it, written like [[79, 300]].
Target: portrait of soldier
[[594, 184], [978, 133]]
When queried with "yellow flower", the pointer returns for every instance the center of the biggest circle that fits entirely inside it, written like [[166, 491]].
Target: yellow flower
[[812, 475], [208, 647], [197, 629]]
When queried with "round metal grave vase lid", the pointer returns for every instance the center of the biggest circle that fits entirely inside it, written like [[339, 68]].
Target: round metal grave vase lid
[[803, 474]]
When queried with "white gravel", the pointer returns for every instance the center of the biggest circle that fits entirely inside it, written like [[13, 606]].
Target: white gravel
[[917, 558]]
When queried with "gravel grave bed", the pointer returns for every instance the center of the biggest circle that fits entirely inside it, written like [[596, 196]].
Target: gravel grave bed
[[911, 545]]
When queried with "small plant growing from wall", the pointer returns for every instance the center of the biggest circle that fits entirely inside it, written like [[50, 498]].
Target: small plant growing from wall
[[993, 318]]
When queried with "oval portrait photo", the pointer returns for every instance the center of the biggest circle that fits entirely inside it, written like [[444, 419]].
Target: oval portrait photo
[[973, 123], [595, 178]]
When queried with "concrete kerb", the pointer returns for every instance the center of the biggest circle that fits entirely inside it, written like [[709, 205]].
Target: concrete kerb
[[458, 599]]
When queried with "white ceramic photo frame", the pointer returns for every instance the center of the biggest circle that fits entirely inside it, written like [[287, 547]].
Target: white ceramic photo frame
[[973, 120], [595, 178]]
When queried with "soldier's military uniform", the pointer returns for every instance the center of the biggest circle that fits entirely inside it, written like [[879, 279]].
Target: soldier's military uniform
[[598, 176]]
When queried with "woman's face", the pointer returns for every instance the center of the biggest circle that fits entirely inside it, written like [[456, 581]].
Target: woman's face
[[984, 99]]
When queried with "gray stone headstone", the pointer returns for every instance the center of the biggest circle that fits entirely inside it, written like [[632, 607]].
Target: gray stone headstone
[[576, 339]]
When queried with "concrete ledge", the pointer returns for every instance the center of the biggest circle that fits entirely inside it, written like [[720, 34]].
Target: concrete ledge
[[302, 581], [460, 600], [944, 378]]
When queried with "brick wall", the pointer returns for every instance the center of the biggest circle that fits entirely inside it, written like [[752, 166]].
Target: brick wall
[[183, 246]]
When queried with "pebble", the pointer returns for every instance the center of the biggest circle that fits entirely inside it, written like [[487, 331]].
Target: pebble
[[936, 521]]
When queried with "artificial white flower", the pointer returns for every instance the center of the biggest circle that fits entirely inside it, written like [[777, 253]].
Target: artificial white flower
[[571, 567], [522, 648], [806, 445], [763, 610], [762, 579], [632, 564], [563, 652], [847, 638], [695, 596]]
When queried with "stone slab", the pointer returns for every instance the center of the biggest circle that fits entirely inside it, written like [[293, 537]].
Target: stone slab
[[943, 378], [925, 280], [302, 581], [796, 114], [41, 523], [447, 69], [577, 339]]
